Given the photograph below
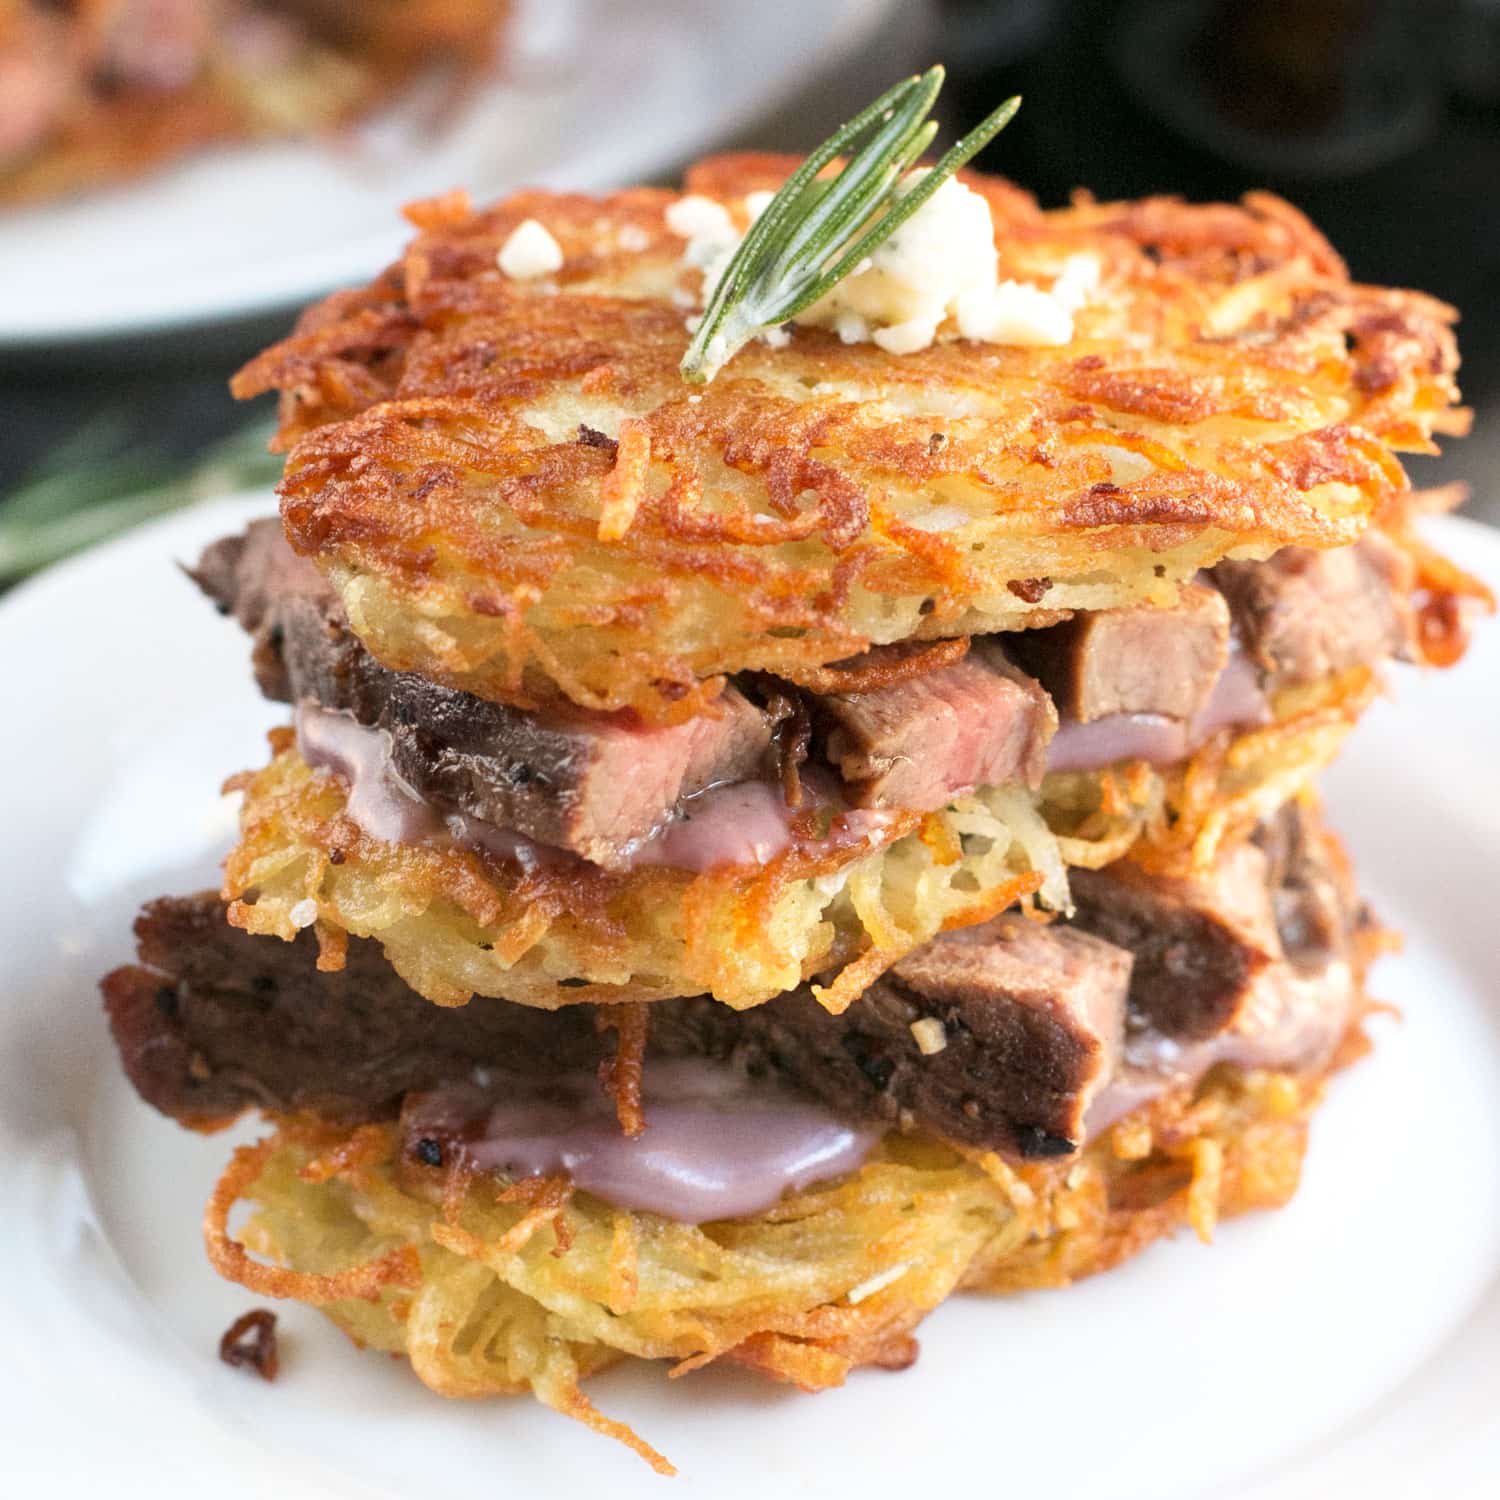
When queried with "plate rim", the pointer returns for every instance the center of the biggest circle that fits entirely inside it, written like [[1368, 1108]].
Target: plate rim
[[849, 24]]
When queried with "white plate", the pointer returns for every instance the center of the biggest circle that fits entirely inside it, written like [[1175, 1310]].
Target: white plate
[[594, 93], [1349, 1345]]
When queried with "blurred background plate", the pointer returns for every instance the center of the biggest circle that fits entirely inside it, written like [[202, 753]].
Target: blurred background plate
[[591, 94]]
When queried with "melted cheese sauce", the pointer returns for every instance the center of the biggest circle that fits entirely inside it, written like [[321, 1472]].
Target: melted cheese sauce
[[717, 1145]]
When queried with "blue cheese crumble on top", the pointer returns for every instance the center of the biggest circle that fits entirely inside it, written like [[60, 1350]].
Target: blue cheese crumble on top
[[936, 278]]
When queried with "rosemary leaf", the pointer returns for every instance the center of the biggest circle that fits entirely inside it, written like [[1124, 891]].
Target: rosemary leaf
[[92, 486], [817, 230]]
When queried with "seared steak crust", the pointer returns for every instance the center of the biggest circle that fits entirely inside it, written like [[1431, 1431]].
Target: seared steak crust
[[1304, 614], [212, 1022], [595, 784]]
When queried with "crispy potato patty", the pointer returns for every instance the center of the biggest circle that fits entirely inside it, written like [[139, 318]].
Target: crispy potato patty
[[516, 494], [492, 1292], [456, 923]]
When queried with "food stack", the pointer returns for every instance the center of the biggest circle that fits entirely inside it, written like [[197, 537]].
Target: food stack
[[748, 859]]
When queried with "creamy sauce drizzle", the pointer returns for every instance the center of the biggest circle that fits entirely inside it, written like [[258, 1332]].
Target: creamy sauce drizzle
[[1236, 702], [1291, 1020], [379, 801], [747, 823], [717, 1145], [744, 823]]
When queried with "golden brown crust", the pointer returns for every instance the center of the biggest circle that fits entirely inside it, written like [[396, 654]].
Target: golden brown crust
[[832, 1278], [1228, 390]]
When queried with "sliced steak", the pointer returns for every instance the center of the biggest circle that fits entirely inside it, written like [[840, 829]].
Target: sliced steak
[[287, 607], [594, 784], [211, 1022], [1009, 1036], [1313, 895], [1028, 1022], [1199, 943], [920, 742], [1304, 615], [1133, 660], [1292, 1011]]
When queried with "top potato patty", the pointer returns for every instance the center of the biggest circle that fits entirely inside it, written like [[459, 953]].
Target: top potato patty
[[516, 494]]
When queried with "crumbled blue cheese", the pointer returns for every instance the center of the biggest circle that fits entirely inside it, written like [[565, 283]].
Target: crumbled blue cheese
[[703, 223], [936, 277], [530, 251]]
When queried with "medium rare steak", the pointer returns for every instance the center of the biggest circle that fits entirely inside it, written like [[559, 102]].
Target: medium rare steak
[[1304, 614], [1032, 1020], [594, 784], [1133, 660], [920, 729], [212, 1022], [921, 742], [1199, 942], [1313, 895], [1002, 1036]]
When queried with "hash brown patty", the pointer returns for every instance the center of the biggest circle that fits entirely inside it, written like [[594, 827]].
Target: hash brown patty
[[516, 494]]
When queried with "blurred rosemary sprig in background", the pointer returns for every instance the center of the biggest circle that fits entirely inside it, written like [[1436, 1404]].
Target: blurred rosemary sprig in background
[[98, 482]]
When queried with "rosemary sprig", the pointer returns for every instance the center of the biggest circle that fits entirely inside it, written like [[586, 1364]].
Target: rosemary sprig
[[817, 230], [97, 483]]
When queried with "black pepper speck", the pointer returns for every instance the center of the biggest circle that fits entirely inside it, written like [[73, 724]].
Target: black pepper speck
[[1033, 1141]]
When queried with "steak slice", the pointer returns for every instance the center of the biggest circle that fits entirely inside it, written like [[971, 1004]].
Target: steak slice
[[1304, 615], [594, 784], [1313, 896], [918, 743], [1132, 660], [1009, 1036], [1292, 1012], [1199, 942], [212, 1021], [1028, 1021]]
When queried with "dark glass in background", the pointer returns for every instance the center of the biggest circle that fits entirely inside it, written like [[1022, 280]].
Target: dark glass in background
[[1381, 118]]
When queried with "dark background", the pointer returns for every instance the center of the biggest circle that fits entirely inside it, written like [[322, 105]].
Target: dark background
[[1381, 118]]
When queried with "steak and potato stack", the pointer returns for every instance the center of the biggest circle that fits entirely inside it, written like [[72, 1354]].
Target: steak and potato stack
[[797, 796], [561, 856]]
